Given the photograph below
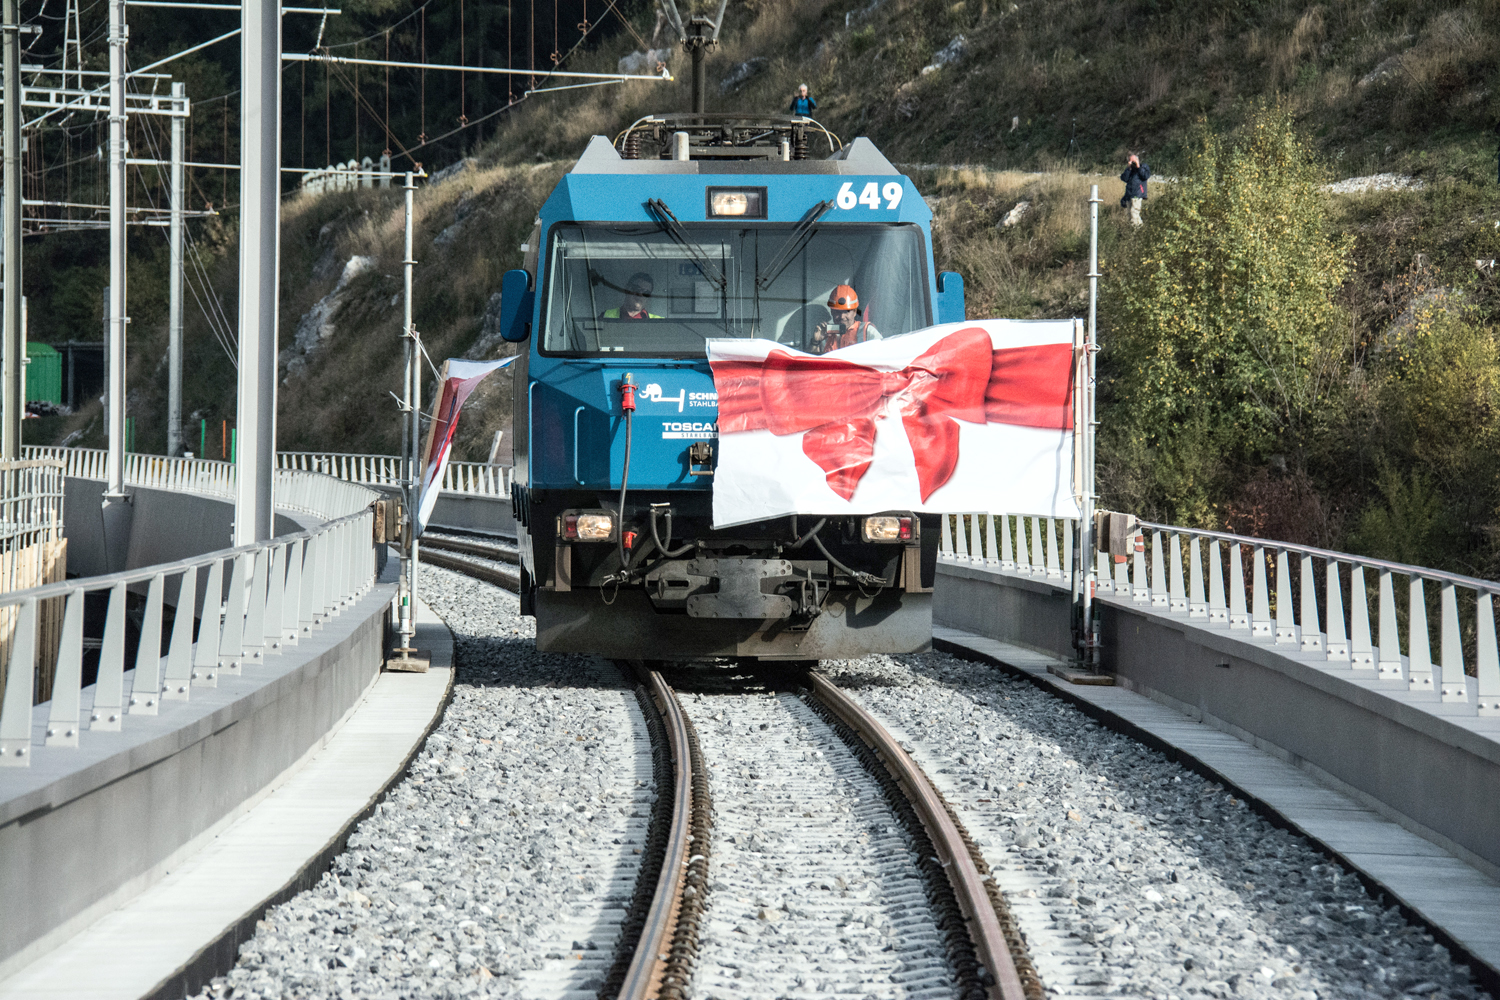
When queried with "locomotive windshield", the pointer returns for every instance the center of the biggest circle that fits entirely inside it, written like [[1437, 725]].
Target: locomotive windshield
[[643, 291]]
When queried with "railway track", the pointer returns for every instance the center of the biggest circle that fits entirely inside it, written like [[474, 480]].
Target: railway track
[[663, 934], [491, 558]]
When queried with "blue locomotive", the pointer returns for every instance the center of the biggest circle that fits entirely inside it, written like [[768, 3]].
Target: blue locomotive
[[690, 228]]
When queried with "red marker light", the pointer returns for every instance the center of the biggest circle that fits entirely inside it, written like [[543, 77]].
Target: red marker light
[[905, 532], [570, 526]]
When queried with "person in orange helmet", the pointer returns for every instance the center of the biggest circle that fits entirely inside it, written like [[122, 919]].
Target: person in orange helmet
[[849, 325]]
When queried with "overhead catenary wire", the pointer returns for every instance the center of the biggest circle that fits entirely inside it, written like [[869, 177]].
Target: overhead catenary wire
[[208, 301], [463, 62]]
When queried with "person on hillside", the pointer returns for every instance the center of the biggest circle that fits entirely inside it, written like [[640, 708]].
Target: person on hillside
[[1135, 176], [848, 326], [802, 104], [634, 305]]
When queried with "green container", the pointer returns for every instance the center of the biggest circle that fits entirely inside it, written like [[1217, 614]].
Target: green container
[[43, 373]]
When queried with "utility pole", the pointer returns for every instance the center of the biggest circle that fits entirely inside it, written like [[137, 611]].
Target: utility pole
[[174, 286], [260, 238], [14, 396], [117, 510], [411, 442], [1088, 537], [115, 467]]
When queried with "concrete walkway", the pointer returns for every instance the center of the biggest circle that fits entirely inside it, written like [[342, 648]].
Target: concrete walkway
[[188, 926], [1458, 901]]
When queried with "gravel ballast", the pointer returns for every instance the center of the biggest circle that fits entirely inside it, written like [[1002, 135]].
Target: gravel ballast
[[1130, 875], [814, 887], [502, 864]]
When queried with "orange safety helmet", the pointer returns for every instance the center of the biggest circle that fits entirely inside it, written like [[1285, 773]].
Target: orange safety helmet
[[843, 297]]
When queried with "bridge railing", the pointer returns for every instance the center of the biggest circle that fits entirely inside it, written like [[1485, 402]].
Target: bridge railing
[[250, 601], [470, 478], [320, 495], [1297, 598]]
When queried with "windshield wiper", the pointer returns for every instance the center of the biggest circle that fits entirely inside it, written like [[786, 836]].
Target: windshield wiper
[[793, 246], [674, 229]]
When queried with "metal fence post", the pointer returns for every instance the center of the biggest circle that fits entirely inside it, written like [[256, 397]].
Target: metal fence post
[[1312, 636], [1239, 618], [1197, 605], [270, 627], [1286, 625], [1260, 608], [1338, 645], [1419, 643], [255, 606], [1488, 673], [206, 662], [1390, 667], [109, 689], [1218, 608], [232, 639], [291, 601], [1159, 597], [1452, 685], [62, 721], [1361, 649], [309, 611], [145, 692], [179, 678], [15, 708], [1176, 592]]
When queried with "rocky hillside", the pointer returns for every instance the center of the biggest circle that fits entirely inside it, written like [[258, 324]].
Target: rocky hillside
[[975, 96]]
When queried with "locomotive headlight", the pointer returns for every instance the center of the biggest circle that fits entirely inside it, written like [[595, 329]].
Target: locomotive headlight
[[588, 527], [742, 203], [887, 529]]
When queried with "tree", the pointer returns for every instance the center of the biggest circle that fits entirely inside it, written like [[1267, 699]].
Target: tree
[[1223, 331]]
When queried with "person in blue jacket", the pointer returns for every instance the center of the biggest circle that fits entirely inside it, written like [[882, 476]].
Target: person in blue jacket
[[802, 104], [1135, 176]]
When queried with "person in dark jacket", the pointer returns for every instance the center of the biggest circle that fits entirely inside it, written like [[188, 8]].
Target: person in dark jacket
[[802, 104], [1135, 176]]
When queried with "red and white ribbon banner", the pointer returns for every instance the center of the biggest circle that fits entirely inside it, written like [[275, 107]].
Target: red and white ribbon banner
[[973, 416], [459, 379]]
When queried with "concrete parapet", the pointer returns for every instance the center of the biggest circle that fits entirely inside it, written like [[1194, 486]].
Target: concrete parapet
[[82, 831], [165, 526]]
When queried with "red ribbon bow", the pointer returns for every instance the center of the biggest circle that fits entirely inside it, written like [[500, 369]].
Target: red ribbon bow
[[834, 403]]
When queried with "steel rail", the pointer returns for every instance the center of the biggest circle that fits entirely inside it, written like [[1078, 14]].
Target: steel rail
[[485, 550], [652, 952], [989, 940], [497, 575]]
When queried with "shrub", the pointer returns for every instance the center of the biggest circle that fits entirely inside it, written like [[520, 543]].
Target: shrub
[[1222, 309]]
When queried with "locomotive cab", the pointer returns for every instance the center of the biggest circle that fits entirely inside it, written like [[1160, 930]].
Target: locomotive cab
[[688, 229]]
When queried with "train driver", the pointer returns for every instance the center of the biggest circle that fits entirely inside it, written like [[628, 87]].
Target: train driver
[[848, 327], [634, 304]]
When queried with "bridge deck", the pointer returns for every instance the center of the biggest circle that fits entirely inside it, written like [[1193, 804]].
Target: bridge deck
[[1456, 899]]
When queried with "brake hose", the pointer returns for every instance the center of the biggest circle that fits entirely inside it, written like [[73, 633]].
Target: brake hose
[[810, 533], [655, 537], [627, 406], [859, 576]]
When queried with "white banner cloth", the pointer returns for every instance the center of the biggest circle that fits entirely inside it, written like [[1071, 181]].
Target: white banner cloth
[[459, 379], [972, 416]]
